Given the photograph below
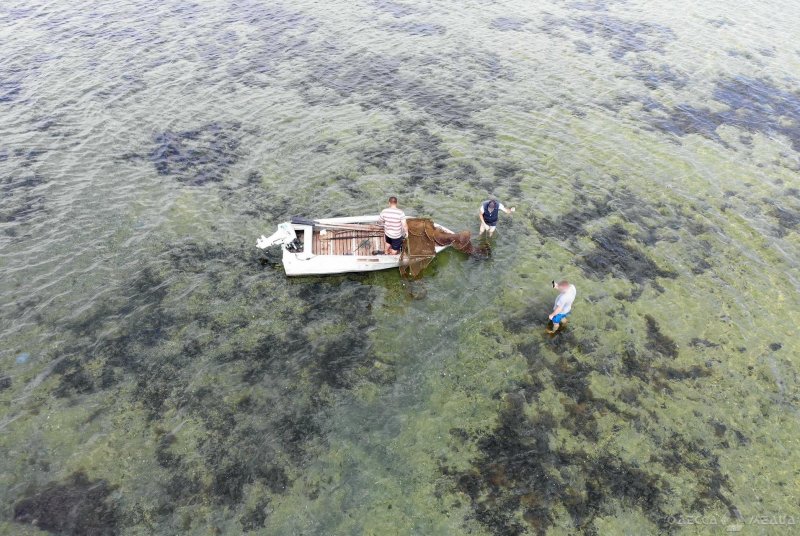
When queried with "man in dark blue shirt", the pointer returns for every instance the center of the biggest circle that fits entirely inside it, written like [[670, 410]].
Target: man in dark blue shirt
[[490, 213]]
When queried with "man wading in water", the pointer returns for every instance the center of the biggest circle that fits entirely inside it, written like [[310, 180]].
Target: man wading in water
[[563, 306], [394, 227], [490, 213]]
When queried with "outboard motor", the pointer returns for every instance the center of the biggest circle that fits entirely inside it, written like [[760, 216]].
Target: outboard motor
[[284, 235]]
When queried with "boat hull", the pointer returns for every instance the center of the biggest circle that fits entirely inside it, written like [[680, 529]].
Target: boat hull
[[296, 264], [305, 263]]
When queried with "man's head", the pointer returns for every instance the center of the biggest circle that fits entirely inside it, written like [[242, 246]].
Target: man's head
[[563, 285], [492, 204], [393, 201]]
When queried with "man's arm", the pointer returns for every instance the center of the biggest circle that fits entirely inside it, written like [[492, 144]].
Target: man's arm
[[480, 215], [555, 312], [405, 226], [509, 210]]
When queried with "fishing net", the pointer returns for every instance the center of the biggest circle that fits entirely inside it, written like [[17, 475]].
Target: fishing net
[[419, 247]]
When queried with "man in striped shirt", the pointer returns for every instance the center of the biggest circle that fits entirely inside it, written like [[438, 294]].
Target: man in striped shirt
[[394, 227]]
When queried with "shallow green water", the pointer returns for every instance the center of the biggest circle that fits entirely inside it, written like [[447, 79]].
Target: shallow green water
[[157, 377]]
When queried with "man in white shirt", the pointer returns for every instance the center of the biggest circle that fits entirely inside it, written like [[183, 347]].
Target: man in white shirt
[[490, 213], [563, 305]]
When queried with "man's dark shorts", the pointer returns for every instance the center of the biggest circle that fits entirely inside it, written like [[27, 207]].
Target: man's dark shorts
[[395, 243]]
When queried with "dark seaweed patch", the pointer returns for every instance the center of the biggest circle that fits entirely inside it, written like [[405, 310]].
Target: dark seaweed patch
[[197, 156], [393, 8], [417, 28], [518, 472], [28, 156], [298, 429], [9, 90], [521, 473], [534, 314], [591, 5], [19, 202], [719, 428], [508, 24], [622, 36], [25, 182], [27, 208], [615, 255], [753, 105], [425, 169], [334, 358], [657, 341], [624, 39], [5, 382], [384, 82], [788, 219], [746, 55], [720, 22], [75, 506], [572, 224], [509, 174], [697, 342], [681, 454], [235, 453], [656, 76], [775, 346], [147, 325], [256, 516], [701, 265], [582, 47], [279, 34], [675, 374], [164, 456], [74, 378], [741, 438]]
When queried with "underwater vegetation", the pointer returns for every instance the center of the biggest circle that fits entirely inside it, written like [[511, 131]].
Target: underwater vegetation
[[9, 90], [397, 9], [752, 105], [617, 250], [21, 198], [620, 36], [524, 479], [167, 378], [247, 444], [506, 24], [23, 209], [417, 28], [76, 506], [428, 169], [615, 255], [380, 81], [279, 34], [198, 156]]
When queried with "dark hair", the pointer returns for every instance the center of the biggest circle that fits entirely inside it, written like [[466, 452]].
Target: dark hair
[[393, 200], [492, 203]]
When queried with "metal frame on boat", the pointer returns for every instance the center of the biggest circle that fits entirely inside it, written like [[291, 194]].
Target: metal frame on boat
[[333, 246]]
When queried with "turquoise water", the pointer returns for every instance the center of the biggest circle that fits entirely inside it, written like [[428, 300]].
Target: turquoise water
[[157, 377]]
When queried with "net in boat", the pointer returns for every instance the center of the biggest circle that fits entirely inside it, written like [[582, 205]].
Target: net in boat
[[419, 247]]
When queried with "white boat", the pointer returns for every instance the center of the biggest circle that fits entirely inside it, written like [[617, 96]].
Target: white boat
[[333, 245]]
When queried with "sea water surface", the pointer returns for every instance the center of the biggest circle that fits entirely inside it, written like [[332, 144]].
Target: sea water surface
[[158, 377]]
